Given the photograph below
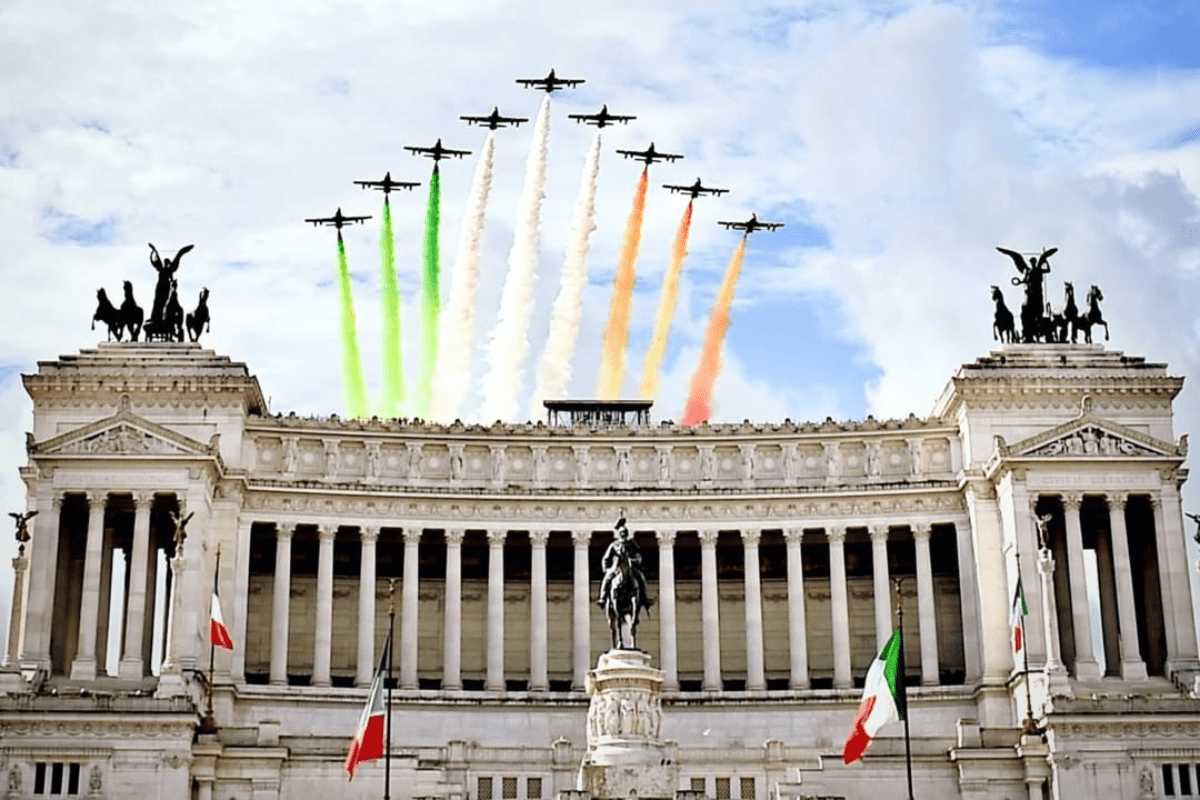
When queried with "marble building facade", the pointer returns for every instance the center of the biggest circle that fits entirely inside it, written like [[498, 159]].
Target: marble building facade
[[771, 549]]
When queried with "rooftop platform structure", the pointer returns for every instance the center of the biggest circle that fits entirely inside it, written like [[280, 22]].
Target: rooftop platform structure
[[598, 413]]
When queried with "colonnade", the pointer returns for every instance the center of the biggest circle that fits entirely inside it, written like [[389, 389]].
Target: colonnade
[[581, 597]]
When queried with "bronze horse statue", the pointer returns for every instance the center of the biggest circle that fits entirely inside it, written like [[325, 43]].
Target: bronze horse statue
[[131, 313], [1003, 326], [197, 320], [621, 607], [107, 313], [1093, 316]]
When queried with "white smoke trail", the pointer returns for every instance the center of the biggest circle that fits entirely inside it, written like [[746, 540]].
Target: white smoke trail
[[509, 341], [554, 369], [452, 374]]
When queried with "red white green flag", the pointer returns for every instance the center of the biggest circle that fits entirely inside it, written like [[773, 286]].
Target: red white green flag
[[1017, 616], [218, 634], [883, 700], [368, 741]]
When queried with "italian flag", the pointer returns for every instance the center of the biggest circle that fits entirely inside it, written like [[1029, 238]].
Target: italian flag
[[218, 634], [883, 699], [1017, 616], [368, 738]]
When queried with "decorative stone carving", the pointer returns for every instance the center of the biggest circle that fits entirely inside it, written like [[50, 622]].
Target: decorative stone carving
[[122, 440], [626, 757]]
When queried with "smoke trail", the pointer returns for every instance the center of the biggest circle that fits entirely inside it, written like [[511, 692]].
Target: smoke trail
[[699, 402], [510, 338], [393, 371], [666, 307], [452, 374], [612, 368], [431, 298], [554, 369], [354, 390]]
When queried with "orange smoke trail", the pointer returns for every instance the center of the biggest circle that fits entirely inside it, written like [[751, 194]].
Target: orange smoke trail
[[612, 368], [699, 402], [666, 308]]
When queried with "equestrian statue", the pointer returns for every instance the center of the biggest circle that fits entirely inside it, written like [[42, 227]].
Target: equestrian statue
[[623, 588]]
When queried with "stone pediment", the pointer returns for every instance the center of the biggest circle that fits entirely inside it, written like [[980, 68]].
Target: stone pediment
[[1089, 436], [123, 434]]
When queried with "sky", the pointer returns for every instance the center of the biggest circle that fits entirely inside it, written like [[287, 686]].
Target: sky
[[899, 141]]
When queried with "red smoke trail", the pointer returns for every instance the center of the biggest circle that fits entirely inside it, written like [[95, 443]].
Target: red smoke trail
[[612, 368], [666, 307], [699, 402]]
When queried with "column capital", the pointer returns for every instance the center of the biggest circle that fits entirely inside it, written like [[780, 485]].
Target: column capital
[[1155, 500], [581, 538], [496, 537], [793, 536], [97, 497], [836, 536], [369, 534], [454, 537], [1072, 500], [327, 532], [879, 534], [139, 499], [411, 536], [708, 538], [921, 532], [1117, 501], [666, 537], [751, 537], [284, 533], [539, 538]]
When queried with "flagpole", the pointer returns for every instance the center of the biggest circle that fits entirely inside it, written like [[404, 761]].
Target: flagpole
[[902, 679], [209, 723], [387, 748], [1029, 727]]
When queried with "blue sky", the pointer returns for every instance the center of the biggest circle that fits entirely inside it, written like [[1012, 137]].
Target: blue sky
[[900, 141]]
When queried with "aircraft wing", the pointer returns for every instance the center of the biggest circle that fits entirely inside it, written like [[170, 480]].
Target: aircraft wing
[[669, 156], [569, 81], [415, 149], [455, 153], [356, 219], [674, 188], [320, 221], [528, 82], [512, 120], [632, 153], [478, 120], [717, 192], [771, 226], [733, 226]]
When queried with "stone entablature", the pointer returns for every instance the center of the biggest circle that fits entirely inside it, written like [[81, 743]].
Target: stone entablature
[[504, 457]]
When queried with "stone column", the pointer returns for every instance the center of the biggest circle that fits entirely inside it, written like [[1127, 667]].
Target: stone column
[[364, 670], [323, 635], [20, 567], [883, 593], [84, 666], [1174, 578], [408, 609], [839, 607], [281, 601], [797, 624], [755, 678], [239, 601], [668, 661], [495, 613], [581, 601], [710, 613], [452, 630], [537, 612], [1086, 665], [174, 601], [926, 606], [132, 666], [38, 601], [1132, 666]]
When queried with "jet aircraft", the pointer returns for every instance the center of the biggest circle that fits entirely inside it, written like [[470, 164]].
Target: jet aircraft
[[601, 118], [550, 83], [495, 120], [337, 220], [387, 185], [437, 152], [695, 190], [751, 225], [649, 155]]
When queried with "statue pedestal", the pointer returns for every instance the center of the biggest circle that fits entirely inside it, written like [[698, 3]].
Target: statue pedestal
[[626, 756]]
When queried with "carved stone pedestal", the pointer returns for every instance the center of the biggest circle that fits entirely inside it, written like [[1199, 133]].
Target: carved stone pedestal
[[626, 756]]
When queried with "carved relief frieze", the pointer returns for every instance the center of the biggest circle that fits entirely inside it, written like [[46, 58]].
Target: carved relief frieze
[[434, 463]]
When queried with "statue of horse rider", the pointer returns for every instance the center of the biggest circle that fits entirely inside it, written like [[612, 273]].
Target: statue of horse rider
[[623, 589]]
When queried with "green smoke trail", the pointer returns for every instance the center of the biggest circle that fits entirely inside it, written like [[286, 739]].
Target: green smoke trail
[[430, 300], [393, 371], [354, 389]]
